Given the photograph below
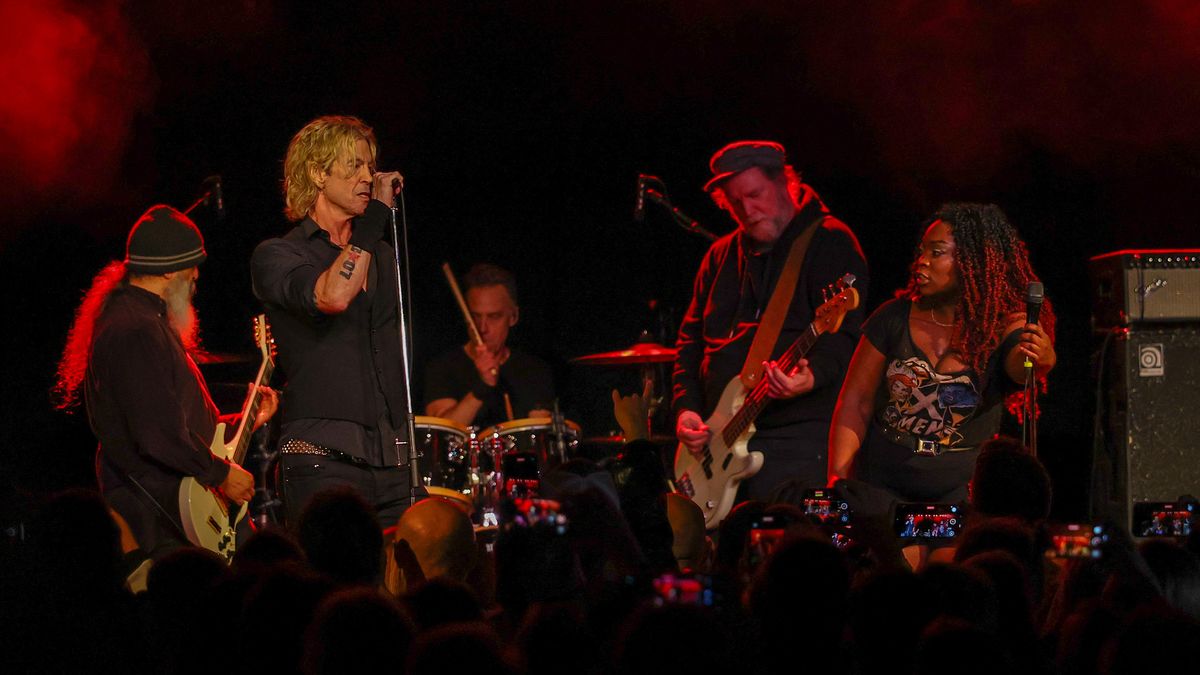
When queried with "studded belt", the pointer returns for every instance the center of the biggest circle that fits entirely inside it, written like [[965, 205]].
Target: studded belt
[[296, 446]]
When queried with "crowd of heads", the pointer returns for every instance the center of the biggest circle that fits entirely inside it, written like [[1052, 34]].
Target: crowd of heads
[[607, 572]]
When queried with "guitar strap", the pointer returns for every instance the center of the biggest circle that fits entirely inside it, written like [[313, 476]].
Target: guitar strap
[[158, 507], [772, 320]]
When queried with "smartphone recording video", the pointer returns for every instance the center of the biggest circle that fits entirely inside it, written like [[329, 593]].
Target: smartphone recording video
[[684, 589], [521, 475], [1162, 519], [764, 534], [539, 513], [1074, 540], [824, 507], [928, 521]]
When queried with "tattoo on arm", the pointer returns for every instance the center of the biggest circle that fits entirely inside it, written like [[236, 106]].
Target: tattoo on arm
[[350, 262]]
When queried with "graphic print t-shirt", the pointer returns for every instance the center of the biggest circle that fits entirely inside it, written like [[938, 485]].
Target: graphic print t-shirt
[[913, 397]]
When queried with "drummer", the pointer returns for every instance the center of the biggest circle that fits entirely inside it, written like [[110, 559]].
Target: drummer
[[488, 384]]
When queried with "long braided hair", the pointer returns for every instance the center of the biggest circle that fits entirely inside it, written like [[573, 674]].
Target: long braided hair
[[992, 264]]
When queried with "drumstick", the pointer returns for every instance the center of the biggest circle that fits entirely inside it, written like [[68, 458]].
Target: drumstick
[[462, 304]]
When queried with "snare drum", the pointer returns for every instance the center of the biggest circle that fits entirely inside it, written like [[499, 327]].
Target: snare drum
[[533, 435], [445, 452]]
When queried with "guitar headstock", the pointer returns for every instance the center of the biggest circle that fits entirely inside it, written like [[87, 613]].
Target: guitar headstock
[[840, 298], [263, 338]]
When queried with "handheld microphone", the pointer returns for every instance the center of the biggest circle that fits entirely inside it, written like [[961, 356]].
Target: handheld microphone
[[1034, 296], [639, 210], [216, 198]]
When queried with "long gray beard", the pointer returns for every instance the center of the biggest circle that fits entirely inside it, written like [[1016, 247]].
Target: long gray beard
[[181, 314]]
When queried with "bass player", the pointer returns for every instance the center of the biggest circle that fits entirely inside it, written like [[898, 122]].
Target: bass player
[[736, 281]]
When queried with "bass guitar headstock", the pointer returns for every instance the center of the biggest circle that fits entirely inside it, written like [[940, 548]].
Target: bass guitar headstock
[[840, 298]]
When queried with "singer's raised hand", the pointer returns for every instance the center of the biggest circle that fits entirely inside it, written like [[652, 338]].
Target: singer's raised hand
[[385, 185]]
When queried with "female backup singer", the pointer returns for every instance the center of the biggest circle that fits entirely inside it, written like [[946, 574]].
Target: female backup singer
[[934, 365]]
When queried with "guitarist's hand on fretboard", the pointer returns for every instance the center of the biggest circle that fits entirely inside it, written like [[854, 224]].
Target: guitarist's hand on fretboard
[[790, 384], [692, 432], [266, 407]]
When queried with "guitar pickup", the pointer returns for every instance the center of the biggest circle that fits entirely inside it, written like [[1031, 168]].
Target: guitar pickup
[[216, 527]]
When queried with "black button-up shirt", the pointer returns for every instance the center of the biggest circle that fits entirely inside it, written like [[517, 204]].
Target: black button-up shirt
[[147, 403], [345, 383]]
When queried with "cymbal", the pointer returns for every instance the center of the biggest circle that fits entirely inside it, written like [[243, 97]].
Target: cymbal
[[640, 353]]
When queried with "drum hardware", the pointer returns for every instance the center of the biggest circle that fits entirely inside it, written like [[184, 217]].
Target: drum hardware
[[646, 354], [647, 193]]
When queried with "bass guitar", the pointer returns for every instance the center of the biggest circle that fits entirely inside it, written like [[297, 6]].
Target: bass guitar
[[710, 478], [209, 518]]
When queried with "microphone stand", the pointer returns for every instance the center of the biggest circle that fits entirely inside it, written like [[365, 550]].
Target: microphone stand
[[1029, 416], [685, 221], [407, 446]]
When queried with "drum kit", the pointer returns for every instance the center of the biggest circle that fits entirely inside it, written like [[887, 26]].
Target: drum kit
[[478, 467]]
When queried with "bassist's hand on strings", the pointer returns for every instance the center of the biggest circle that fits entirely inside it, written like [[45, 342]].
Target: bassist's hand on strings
[[788, 385], [692, 432]]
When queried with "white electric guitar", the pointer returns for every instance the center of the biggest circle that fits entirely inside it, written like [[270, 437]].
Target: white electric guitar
[[209, 518], [711, 478]]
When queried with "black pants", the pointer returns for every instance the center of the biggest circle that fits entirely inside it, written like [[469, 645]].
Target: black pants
[[793, 458], [302, 476]]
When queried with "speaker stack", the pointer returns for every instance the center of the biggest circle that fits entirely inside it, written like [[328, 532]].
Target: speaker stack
[[1146, 305]]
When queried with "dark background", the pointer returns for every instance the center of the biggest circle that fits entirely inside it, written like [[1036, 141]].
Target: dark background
[[521, 127]]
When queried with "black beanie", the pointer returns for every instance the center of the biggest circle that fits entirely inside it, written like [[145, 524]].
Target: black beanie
[[163, 240]]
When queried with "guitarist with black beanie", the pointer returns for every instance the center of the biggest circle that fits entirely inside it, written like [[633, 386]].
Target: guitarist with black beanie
[[129, 353]]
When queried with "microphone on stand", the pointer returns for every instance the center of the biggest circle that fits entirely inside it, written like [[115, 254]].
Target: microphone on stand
[[1034, 296], [639, 210]]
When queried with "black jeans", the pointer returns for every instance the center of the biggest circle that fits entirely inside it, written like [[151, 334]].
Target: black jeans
[[302, 476], [797, 455]]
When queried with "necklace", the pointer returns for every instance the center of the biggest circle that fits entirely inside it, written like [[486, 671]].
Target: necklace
[[933, 317]]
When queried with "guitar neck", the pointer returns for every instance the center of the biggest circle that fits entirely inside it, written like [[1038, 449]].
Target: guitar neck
[[241, 440], [757, 399]]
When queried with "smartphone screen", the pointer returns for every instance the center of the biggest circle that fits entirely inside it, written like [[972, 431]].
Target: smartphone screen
[[677, 589], [764, 534], [1075, 540], [928, 521], [540, 513], [521, 476], [825, 508], [1162, 519]]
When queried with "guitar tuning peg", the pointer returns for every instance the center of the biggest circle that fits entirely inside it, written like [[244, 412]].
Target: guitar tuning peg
[[825, 294]]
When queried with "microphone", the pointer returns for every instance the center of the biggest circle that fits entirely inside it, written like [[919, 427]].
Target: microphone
[[639, 210], [1034, 296], [216, 198]]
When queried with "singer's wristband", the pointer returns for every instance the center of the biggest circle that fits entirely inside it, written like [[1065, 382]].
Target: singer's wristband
[[481, 390]]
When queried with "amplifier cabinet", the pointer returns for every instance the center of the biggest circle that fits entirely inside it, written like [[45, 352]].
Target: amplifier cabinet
[[1145, 286], [1151, 382]]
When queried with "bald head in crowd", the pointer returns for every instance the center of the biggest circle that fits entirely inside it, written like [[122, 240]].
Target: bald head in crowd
[[441, 537]]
